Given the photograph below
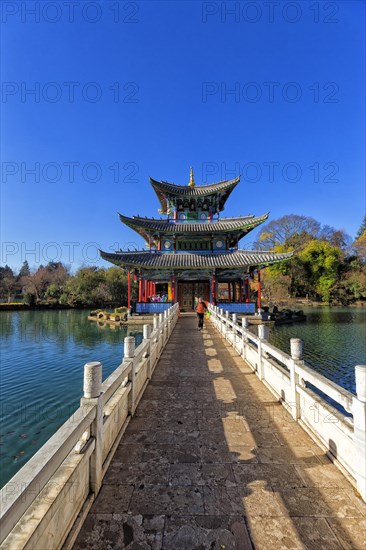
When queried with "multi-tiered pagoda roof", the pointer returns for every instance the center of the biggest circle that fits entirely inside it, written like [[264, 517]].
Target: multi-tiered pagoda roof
[[234, 228], [215, 194], [192, 235], [239, 259], [192, 242]]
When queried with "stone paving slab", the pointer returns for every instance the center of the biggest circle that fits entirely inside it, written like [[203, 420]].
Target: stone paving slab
[[211, 459]]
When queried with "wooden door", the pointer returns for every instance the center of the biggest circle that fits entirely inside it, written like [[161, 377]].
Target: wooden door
[[189, 291]]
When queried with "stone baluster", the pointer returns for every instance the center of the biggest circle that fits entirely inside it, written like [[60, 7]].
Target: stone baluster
[[359, 429], [244, 337], [225, 325], [93, 397], [166, 327], [155, 322], [161, 332], [130, 345], [235, 328], [296, 359], [262, 335], [147, 338]]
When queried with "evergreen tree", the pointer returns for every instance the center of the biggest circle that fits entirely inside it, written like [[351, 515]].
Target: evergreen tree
[[24, 270], [362, 228]]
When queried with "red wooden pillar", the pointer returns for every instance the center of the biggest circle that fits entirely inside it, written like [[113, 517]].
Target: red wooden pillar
[[240, 291], [173, 288], [128, 289], [145, 290], [213, 293], [247, 290], [259, 289], [228, 292], [140, 289]]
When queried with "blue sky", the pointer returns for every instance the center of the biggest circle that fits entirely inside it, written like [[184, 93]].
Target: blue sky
[[272, 92]]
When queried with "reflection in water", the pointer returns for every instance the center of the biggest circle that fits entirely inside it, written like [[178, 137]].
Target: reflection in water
[[43, 357], [333, 341]]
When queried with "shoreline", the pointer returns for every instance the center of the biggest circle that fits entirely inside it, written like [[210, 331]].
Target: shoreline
[[286, 304]]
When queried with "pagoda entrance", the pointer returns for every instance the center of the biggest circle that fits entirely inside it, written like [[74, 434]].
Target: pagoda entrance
[[189, 290]]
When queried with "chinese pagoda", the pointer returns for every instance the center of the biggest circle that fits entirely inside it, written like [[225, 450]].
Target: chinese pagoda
[[193, 251]]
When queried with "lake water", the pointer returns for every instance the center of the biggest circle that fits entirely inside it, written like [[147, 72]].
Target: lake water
[[333, 339], [44, 352], [42, 365]]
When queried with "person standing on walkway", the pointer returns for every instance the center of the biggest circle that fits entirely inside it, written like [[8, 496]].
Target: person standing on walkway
[[200, 309]]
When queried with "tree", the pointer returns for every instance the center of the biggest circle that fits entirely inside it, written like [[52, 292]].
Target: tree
[[280, 232], [37, 282], [80, 289], [8, 283], [360, 246], [362, 229], [336, 237], [321, 264], [275, 287], [116, 280], [24, 271]]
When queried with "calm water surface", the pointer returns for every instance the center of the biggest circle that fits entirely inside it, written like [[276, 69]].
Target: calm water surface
[[43, 355], [334, 341], [42, 361]]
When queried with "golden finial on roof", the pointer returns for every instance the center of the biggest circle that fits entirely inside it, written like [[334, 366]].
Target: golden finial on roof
[[191, 178]]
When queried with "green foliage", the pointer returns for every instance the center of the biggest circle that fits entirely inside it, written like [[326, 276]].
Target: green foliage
[[8, 283], [30, 299], [362, 229], [24, 270], [82, 288], [320, 268], [359, 246], [53, 291]]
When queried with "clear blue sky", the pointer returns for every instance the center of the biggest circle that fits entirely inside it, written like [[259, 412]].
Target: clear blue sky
[[145, 91]]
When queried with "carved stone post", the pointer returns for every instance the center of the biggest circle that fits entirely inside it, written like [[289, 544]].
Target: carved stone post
[[147, 336], [244, 338], [359, 427], [129, 356], [296, 359], [262, 335], [155, 322], [94, 398]]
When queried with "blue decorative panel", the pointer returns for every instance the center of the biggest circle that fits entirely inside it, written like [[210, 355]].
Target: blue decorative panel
[[152, 307], [238, 307]]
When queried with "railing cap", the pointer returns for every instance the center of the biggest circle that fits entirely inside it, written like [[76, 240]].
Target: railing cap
[[129, 345], [92, 379], [360, 372], [296, 348]]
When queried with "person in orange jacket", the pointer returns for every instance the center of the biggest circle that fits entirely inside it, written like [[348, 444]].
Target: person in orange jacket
[[200, 310]]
